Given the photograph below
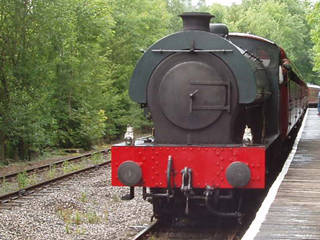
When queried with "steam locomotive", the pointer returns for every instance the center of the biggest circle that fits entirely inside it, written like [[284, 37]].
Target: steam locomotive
[[223, 104]]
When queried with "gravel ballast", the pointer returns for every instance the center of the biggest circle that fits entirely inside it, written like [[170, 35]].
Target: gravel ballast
[[85, 207]]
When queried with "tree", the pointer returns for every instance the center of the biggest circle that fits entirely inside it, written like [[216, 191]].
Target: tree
[[139, 23], [22, 71], [282, 21], [53, 60], [80, 38], [219, 12], [175, 8], [314, 21]]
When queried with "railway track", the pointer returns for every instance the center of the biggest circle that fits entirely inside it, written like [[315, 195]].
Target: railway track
[[200, 229], [57, 163], [12, 199]]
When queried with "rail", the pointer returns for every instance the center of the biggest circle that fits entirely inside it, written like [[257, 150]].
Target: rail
[[6, 198], [59, 162]]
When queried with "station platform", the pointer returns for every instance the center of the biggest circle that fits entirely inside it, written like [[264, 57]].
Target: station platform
[[291, 209]]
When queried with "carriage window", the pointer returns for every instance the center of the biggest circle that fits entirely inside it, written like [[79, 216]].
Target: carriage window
[[264, 56]]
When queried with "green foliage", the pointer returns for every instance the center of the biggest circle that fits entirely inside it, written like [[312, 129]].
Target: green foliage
[[65, 65], [68, 167], [33, 179], [175, 8], [6, 187], [84, 197], [314, 21], [77, 217], [54, 60], [80, 72], [138, 25], [68, 231], [85, 129], [219, 12], [52, 172], [23, 180], [282, 21], [65, 68], [92, 217], [97, 158], [72, 216], [21, 98]]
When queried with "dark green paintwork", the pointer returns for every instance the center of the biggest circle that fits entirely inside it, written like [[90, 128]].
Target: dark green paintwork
[[251, 43], [241, 67]]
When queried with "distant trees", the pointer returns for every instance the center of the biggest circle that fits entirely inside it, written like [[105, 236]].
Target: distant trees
[[65, 65], [24, 79], [138, 24], [314, 21], [281, 21]]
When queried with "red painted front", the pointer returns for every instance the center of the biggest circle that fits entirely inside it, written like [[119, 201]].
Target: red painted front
[[208, 164]]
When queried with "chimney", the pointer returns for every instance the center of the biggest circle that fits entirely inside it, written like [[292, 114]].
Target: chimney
[[196, 21]]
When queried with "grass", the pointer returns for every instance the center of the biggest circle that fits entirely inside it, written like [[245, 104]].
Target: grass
[[54, 155], [3, 164], [6, 187], [92, 217], [80, 231], [32, 179], [46, 154], [83, 164], [68, 231], [68, 167], [65, 214], [84, 197], [51, 153], [23, 180], [97, 158], [72, 216], [52, 173], [77, 218], [105, 213]]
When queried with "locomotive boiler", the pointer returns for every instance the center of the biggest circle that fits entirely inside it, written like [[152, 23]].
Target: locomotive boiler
[[222, 105]]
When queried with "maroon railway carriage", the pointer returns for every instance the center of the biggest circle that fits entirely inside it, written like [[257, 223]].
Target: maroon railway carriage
[[222, 105], [313, 91]]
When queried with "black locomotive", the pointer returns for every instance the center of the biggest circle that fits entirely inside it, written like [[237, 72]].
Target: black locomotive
[[222, 106]]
